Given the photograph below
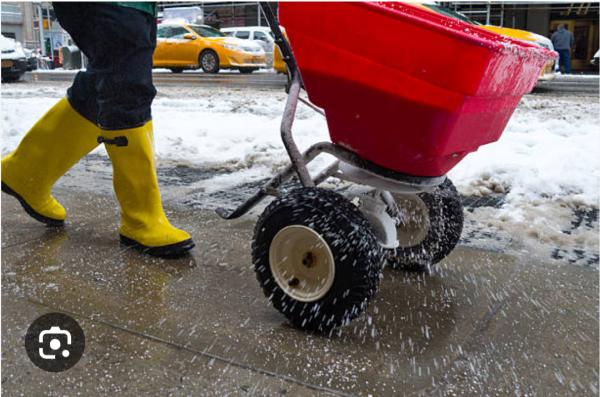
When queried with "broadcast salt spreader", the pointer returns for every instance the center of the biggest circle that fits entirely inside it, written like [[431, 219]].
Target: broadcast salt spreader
[[406, 97]]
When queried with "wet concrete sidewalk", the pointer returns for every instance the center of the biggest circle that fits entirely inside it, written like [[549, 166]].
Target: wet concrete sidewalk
[[481, 323]]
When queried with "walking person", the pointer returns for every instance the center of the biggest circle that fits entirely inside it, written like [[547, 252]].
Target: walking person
[[107, 103], [563, 41]]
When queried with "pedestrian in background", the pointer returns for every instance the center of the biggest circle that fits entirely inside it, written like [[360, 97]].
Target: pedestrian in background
[[563, 42]]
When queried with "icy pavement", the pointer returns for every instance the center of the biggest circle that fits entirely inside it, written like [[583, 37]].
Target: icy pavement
[[526, 192], [481, 323]]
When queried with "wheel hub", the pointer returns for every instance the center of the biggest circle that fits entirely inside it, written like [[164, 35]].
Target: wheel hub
[[208, 61], [414, 224], [301, 263]]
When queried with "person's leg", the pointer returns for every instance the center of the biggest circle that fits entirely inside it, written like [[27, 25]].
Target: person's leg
[[560, 60], [82, 93], [567, 61], [125, 41], [53, 145], [564, 62]]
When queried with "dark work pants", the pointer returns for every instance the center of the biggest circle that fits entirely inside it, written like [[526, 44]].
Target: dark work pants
[[564, 60], [116, 91]]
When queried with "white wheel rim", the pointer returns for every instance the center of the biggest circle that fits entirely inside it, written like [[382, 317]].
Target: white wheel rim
[[414, 225], [301, 263]]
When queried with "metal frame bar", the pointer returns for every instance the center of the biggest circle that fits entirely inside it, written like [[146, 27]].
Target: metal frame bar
[[286, 133], [299, 161], [292, 102]]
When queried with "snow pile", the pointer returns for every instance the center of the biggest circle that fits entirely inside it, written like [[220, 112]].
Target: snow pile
[[233, 132], [548, 151]]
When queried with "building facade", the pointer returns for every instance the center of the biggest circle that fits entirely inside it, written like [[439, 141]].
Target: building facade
[[225, 14], [34, 25], [17, 22]]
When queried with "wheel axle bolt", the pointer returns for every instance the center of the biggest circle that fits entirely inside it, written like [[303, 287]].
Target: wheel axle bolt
[[308, 260], [294, 282]]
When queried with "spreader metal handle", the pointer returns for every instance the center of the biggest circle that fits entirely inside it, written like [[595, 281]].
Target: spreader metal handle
[[292, 101], [300, 160]]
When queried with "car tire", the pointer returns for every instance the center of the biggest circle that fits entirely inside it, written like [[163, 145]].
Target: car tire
[[247, 70], [209, 62], [11, 79]]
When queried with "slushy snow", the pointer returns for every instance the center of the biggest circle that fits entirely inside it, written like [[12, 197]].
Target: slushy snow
[[549, 150]]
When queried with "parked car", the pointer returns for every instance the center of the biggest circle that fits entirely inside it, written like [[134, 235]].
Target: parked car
[[547, 73], [258, 33], [183, 46], [261, 35], [32, 59], [14, 60], [595, 61]]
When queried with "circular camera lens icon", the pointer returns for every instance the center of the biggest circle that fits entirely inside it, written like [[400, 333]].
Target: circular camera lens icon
[[55, 342]]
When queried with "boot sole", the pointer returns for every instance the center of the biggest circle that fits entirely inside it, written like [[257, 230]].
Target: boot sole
[[30, 211], [176, 250]]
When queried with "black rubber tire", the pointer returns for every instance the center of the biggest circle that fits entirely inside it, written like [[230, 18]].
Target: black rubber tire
[[247, 70], [177, 70], [358, 257], [11, 78], [446, 219], [206, 69]]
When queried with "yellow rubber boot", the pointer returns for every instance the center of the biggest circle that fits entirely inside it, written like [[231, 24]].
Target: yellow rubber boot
[[144, 224], [50, 148]]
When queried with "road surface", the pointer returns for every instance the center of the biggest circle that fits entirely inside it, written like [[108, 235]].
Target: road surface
[[569, 85], [224, 79], [562, 85]]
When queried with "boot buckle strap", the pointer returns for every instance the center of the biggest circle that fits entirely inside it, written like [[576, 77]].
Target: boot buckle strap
[[117, 141]]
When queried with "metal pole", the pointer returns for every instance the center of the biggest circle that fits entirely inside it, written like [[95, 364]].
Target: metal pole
[[47, 12], [487, 13], [41, 23], [258, 12], [501, 14]]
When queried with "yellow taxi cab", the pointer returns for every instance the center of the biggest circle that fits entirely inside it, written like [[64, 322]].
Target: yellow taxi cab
[[534, 38], [181, 46], [278, 62]]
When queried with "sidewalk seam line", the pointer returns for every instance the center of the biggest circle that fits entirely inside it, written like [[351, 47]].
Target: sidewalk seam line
[[204, 354]]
